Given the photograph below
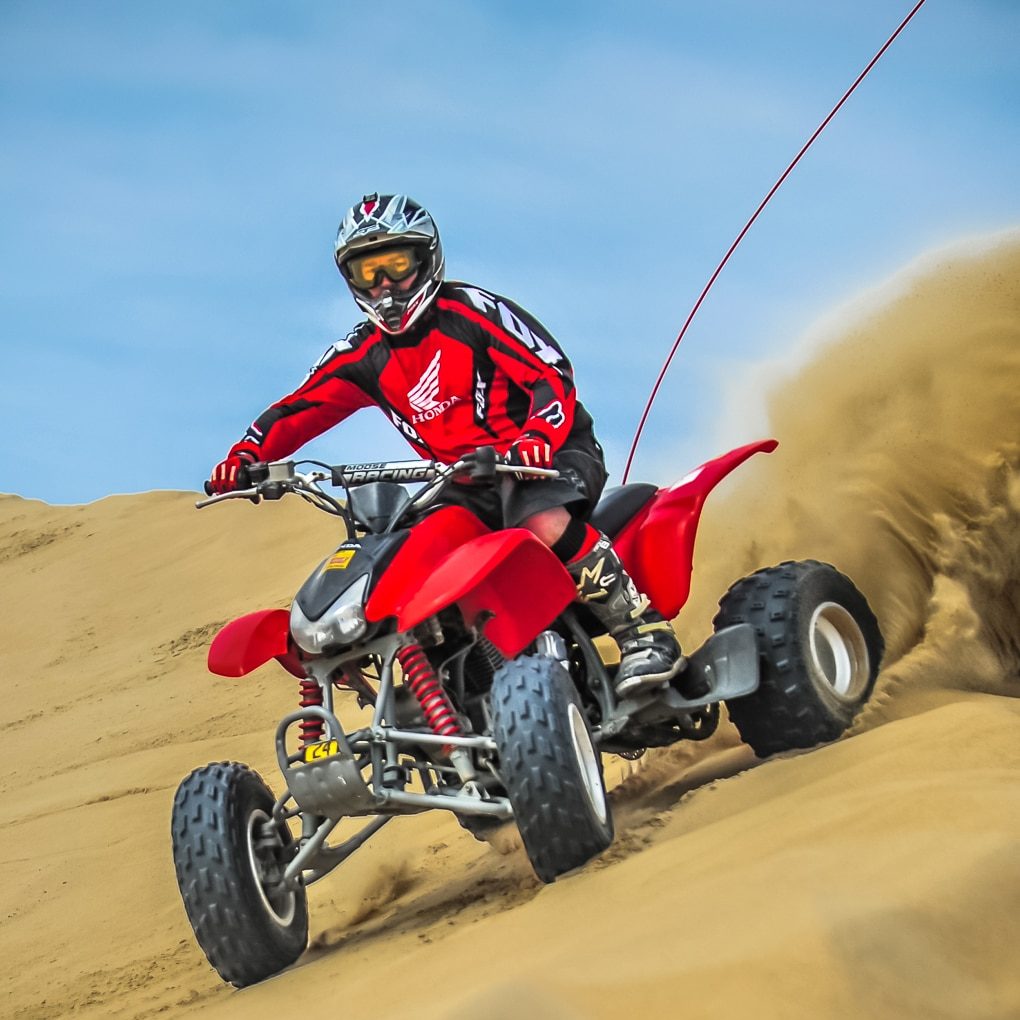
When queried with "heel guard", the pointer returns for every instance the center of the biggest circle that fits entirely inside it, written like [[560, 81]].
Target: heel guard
[[728, 660]]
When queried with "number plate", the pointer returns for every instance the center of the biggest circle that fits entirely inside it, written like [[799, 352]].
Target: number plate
[[326, 749]]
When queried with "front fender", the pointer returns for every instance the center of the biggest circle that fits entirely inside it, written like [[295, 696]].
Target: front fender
[[508, 573], [249, 641], [431, 541]]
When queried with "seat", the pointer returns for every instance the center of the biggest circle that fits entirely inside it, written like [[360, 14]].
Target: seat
[[619, 505]]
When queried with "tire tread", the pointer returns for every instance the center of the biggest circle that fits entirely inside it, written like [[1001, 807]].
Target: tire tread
[[531, 728], [231, 928], [786, 712]]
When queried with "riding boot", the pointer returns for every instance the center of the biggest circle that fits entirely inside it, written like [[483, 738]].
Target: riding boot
[[649, 651]]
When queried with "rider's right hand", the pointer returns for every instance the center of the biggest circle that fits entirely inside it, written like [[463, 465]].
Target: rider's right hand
[[232, 472]]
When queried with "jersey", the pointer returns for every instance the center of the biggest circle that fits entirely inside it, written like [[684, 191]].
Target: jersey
[[478, 370]]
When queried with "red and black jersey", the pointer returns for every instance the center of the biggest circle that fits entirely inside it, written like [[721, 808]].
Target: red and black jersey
[[477, 371]]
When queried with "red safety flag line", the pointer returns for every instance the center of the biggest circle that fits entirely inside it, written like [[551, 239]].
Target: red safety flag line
[[747, 226]]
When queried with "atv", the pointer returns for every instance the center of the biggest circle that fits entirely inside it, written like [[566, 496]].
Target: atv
[[487, 693]]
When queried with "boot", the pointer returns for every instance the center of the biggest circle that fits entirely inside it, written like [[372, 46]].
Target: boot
[[649, 651]]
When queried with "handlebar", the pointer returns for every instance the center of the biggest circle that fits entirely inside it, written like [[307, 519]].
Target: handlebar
[[270, 480]]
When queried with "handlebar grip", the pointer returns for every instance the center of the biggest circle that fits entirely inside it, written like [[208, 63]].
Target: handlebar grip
[[485, 461]]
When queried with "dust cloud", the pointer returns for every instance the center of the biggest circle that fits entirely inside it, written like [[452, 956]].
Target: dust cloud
[[899, 461]]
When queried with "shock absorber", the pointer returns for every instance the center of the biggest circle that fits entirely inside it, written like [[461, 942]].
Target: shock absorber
[[425, 686], [311, 729], [435, 705]]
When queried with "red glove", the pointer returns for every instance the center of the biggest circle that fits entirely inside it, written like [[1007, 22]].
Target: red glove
[[531, 450], [232, 472]]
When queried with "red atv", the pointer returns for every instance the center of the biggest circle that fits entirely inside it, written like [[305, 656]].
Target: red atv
[[488, 696]]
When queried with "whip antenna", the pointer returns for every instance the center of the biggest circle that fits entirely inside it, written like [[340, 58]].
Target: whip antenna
[[747, 226]]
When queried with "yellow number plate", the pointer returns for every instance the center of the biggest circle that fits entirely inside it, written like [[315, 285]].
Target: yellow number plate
[[316, 752]]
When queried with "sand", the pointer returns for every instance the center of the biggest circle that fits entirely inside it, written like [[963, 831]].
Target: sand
[[878, 876]]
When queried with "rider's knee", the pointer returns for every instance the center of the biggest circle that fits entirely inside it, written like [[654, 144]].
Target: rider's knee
[[548, 525]]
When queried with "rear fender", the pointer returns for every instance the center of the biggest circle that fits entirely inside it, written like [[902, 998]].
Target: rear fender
[[510, 574], [249, 641], [657, 546]]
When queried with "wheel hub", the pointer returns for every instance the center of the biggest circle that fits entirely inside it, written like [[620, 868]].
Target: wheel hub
[[264, 846], [838, 650], [585, 755]]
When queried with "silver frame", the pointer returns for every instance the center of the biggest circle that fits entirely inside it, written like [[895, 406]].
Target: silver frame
[[374, 748]]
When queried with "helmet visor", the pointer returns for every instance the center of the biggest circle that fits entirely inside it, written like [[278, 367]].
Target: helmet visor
[[366, 271]]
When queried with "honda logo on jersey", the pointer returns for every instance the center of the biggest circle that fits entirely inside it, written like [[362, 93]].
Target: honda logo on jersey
[[424, 395]]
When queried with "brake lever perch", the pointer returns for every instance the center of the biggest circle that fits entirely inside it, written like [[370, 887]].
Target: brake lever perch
[[484, 462]]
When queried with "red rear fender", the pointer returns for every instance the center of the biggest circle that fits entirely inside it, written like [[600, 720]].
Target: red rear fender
[[657, 546], [246, 643]]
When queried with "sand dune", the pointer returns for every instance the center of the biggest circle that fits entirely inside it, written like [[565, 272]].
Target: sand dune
[[879, 876]]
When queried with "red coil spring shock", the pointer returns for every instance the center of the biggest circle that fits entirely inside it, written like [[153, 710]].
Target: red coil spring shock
[[421, 678], [311, 729]]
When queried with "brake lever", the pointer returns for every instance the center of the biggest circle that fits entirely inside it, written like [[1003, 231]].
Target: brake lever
[[520, 469], [486, 463], [253, 494]]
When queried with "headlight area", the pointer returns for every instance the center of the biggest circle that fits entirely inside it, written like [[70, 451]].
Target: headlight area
[[341, 624]]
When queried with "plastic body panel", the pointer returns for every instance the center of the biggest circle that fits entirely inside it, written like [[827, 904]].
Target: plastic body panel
[[249, 641], [508, 573], [354, 559], [451, 557], [430, 542], [657, 546]]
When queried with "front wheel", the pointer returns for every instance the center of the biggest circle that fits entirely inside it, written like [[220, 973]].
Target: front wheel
[[230, 856], [820, 649], [550, 767]]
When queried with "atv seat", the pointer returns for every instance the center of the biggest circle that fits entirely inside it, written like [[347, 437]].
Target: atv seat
[[618, 505]]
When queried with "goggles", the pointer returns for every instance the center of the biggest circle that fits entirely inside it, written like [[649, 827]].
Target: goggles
[[366, 271]]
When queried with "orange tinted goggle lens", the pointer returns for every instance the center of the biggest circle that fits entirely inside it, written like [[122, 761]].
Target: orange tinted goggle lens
[[367, 271]]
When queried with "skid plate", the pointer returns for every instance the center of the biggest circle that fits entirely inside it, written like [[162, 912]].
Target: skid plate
[[332, 787]]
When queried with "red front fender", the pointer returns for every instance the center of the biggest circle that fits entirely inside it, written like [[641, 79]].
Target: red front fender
[[657, 546], [246, 643], [508, 573]]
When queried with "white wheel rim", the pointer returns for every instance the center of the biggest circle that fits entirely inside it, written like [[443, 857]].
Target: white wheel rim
[[588, 764], [285, 900], [838, 650]]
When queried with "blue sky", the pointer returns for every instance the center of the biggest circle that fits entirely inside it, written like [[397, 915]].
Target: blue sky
[[172, 175]]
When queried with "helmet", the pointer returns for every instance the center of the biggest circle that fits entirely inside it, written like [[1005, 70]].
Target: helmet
[[379, 223]]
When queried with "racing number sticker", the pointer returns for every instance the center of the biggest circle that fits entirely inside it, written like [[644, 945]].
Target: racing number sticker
[[340, 560], [316, 752]]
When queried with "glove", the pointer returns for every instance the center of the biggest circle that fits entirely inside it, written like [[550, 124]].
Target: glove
[[531, 450], [232, 472]]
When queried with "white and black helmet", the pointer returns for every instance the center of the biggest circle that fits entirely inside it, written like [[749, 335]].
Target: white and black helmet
[[396, 227]]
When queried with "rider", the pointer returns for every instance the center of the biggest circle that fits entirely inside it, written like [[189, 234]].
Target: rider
[[456, 367]]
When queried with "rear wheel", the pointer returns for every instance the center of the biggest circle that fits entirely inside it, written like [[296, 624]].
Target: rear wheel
[[820, 650], [550, 767], [230, 856]]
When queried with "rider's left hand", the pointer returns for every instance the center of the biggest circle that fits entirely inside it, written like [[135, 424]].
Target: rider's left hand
[[531, 450]]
